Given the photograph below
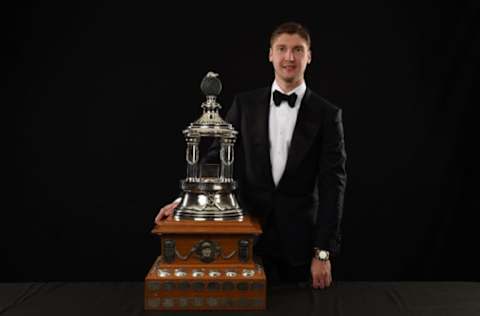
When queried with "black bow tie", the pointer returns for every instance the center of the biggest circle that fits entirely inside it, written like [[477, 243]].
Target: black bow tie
[[278, 97]]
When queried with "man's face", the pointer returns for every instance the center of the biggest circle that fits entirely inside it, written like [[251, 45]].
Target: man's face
[[289, 54]]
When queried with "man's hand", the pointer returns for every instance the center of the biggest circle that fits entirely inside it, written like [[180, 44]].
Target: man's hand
[[321, 273], [166, 211]]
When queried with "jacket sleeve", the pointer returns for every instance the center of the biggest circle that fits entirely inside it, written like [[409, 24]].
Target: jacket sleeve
[[331, 183]]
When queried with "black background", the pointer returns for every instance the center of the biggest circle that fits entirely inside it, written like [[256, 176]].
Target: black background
[[100, 95]]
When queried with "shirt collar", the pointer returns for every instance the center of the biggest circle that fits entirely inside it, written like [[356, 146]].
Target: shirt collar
[[300, 91]]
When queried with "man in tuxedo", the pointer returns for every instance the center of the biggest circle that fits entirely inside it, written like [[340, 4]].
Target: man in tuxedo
[[290, 166]]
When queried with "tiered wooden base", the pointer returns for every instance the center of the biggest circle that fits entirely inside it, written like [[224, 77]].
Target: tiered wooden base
[[206, 265]]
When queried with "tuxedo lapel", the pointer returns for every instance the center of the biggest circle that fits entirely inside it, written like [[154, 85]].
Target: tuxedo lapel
[[259, 138], [305, 131]]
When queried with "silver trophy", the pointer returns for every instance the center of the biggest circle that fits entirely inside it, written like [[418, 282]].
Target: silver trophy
[[208, 191]]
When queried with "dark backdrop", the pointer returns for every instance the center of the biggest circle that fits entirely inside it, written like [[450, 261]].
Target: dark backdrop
[[101, 94]]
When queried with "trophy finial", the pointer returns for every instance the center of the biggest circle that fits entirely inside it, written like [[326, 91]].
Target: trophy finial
[[211, 84]]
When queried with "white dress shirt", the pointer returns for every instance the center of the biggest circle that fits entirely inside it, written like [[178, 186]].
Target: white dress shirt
[[281, 123]]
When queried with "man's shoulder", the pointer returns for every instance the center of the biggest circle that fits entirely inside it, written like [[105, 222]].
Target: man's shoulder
[[319, 101], [251, 95]]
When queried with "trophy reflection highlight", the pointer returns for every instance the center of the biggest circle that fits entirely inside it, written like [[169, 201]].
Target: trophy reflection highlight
[[208, 189]]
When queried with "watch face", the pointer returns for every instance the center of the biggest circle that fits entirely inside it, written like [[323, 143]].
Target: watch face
[[322, 255]]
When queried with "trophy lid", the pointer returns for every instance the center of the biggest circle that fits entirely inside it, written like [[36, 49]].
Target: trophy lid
[[210, 124]]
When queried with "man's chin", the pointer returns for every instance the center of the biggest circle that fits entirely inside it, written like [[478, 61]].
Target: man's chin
[[290, 79]]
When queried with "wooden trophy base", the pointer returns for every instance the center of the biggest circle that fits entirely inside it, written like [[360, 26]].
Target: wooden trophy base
[[206, 265]]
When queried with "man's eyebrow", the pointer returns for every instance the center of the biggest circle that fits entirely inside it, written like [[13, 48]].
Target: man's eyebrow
[[285, 45]]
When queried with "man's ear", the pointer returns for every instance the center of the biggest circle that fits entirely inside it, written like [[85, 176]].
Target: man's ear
[[270, 55], [309, 60]]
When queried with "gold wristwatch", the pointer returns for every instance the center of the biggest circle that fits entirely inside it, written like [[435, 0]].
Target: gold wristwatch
[[320, 254]]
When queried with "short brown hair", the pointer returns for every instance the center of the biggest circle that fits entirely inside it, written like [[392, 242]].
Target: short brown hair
[[291, 28]]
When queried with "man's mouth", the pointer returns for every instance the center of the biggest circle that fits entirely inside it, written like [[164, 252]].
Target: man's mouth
[[289, 67]]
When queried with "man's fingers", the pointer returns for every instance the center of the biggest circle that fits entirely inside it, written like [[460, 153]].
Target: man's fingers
[[316, 281], [165, 212], [326, 280], [169, 209], [159, 216], [329, 279], [321, 281]]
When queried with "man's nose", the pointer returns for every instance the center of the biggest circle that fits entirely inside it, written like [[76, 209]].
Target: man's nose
[[289, 55]]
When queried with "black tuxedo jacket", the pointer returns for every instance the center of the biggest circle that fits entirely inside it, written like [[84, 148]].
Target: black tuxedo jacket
[[304, 210]]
